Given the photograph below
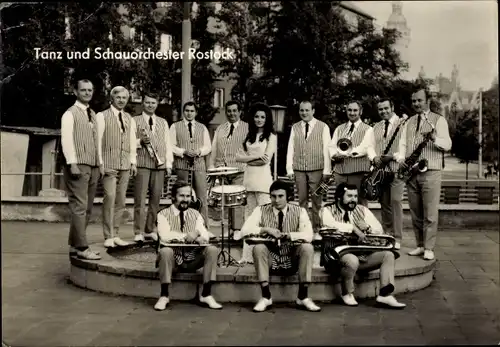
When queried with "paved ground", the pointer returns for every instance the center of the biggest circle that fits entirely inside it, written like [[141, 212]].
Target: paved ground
[[40, 308]]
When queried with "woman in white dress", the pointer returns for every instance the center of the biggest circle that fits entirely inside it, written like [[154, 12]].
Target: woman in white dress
[[258, 150]]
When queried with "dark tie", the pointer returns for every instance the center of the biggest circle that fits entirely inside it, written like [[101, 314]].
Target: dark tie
[[151, 123], [307, 129], [386, 128], [418, 124], [280, 220], [181, 217], [231, 129], [120, 116], [346, 217], [351, 129], [190, 127], [89, 113]]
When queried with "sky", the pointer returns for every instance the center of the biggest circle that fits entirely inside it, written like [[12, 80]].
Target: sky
[[450, 32]]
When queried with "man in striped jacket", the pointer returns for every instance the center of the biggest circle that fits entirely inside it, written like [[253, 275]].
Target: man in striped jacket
[[346, 216], [351, 166], [424, 188], [392, 191], [81, 173], [152, 131], [307, 159], [191, 144], [179, 223], [228, 139], [289, 224], [117, 151]]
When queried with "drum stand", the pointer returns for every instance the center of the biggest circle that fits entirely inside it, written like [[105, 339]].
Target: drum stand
[[221, 260]]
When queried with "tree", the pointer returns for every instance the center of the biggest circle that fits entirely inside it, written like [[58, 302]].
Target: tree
[[465, 145], [490, 124]]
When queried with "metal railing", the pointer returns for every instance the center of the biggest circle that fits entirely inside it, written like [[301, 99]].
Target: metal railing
[[484, 192]]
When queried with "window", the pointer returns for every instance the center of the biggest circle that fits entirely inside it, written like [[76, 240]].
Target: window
[[257, 65], [219, 97], [68, 28], [165, 42]]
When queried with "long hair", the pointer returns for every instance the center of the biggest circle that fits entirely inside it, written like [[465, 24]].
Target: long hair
[[252, 128]]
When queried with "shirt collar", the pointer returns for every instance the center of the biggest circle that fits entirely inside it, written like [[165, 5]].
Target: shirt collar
[[235, 124], [356, 123], [175, 210], [311, 122], [425, 113], [393, 118], [82, 106], [115, 110], [146, 116], [276, 211], [187, 121]]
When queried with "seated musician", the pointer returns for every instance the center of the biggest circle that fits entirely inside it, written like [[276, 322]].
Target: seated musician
[[346, 216], [289, 224], [181, 224]]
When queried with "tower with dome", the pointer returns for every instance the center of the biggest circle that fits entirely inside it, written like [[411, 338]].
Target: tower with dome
[[398, 21]]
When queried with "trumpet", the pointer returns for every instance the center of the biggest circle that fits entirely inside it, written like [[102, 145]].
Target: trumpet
[[152, 152]]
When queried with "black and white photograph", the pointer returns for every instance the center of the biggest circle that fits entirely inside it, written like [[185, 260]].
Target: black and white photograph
[[250, 173]]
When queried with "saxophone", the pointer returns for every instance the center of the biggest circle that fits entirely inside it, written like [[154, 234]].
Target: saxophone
[[412, 165]]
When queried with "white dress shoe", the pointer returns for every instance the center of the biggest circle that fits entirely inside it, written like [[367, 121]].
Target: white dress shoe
[[162, 303], [308, 304], [263, 304], [349, 300], [151, 236], [390, 301], [88, 254], [120, 242], [428, 254], [139, 238], [210, 301], [397, 245], [417, 251], [109, 243]]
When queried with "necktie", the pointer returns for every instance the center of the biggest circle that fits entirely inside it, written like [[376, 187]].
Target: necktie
[[351, 129], [151, 123], [386, 128], [346, 217], [190, 128], [231, 129], [89, 114], [280, 220], [418, 123], [120, 116], [181, 217], [307, 129]]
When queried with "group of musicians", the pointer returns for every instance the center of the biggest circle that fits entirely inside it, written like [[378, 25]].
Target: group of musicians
[[112, 146]]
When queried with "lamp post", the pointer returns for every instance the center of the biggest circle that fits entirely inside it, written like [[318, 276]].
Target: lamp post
[[186, 63], [278, 112]]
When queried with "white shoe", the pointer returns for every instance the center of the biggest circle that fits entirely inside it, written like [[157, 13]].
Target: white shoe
[[88, 254], [119, 242], [308, 304], [263, 304], [428, 254], [397, 245], [210, 301], [390, 301], [139, 238], [151, 236], [162, 303], [349, 300], [417, 251], [109, 243]]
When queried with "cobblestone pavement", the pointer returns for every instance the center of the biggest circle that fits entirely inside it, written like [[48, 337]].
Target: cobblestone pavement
[[39, 306]]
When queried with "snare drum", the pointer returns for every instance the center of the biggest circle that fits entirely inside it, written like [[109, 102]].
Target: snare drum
[[233, 196]]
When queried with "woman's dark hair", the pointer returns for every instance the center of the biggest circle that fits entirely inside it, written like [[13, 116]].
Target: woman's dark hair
[[252, 128]]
